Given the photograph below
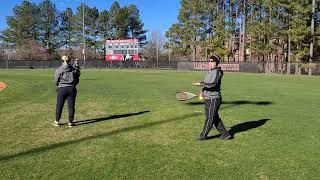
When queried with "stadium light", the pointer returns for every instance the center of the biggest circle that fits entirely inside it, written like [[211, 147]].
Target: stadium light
[[169, 48], [83, 35]]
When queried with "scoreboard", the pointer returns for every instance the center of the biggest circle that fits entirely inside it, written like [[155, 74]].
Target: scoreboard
[[123, 49]]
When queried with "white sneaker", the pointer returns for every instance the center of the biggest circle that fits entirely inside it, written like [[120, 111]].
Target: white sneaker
[[56, 123], [71, 124]]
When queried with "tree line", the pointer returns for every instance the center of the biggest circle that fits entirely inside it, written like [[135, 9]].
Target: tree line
[[41, 31], [247, 30]]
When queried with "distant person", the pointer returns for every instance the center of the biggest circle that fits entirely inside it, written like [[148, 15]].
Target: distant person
[[66, 79], [128, 57], [211, 94]]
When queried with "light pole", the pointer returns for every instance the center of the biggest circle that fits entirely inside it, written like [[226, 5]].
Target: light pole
[[157, 45], [7, 63], [312, 34], [169, 48], [83, 36]]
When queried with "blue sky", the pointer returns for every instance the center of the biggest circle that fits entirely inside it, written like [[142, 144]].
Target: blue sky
[[155, 14]]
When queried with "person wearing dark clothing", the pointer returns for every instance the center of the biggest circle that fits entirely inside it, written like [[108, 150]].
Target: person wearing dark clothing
[[66, 79], [211, 94]]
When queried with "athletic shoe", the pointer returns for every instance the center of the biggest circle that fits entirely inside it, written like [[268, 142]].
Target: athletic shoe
[[200, 138], [225, 137], [56, 123], [71, 124]]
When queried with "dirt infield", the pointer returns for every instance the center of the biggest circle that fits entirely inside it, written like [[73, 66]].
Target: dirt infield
[[2, 86]]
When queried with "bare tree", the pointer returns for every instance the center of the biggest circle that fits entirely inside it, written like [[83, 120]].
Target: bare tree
[[2, 54], [32, 50], [154, 48]]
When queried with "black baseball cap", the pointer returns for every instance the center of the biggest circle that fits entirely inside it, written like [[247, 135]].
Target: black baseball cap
[[215, 58]]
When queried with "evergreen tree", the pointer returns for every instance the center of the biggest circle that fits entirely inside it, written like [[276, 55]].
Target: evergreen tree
[[66, 25], [122, 25], [22, 25], [48, 25], [104, 30], [115, 10], [136, 25]]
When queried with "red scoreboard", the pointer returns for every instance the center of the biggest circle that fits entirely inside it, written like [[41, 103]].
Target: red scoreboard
[[124, 49]]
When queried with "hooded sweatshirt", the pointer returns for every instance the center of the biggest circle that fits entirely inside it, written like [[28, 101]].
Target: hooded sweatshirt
[[67, 75], [211, 84]]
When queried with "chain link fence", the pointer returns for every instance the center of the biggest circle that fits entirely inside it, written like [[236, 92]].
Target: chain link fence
[[276, 68], [89, 64]]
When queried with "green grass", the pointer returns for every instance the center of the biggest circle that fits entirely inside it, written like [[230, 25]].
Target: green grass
[[144, 133]]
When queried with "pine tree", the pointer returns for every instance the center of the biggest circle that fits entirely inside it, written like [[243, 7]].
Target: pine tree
[[22, 25], [135, 24], [192, 19], [66, 25], [48, 25], [104, 30], [219, 32], [177, 45], [123, 24], [115, 11], [88, 25], [92, 32]]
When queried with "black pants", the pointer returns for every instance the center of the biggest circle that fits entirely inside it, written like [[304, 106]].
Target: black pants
[[212, 118], [63, 94]]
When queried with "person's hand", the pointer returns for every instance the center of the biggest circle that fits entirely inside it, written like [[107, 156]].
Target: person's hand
[[196, 83], [200, 96]]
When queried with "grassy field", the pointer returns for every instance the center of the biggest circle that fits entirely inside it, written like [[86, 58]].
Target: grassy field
[[129, 126]]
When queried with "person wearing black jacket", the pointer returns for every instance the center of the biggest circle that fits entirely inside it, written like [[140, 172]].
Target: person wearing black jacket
[[66, 79], [211, 94]]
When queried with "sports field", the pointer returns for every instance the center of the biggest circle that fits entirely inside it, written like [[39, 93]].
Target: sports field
[[130, 126]]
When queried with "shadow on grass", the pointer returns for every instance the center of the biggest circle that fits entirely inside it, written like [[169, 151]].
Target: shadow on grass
[[118, 116], [89, 79], [34, 151], [238, 128], [235, 103]]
